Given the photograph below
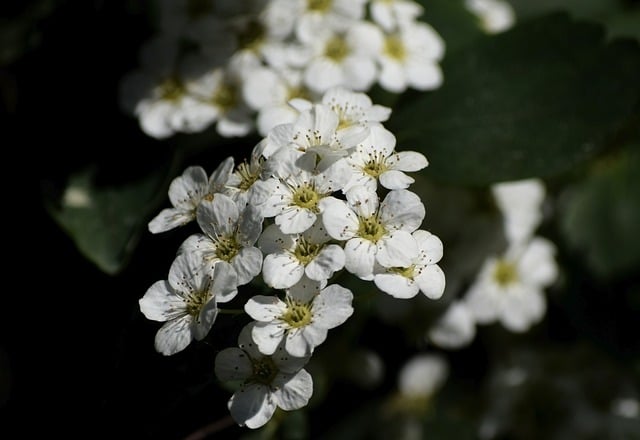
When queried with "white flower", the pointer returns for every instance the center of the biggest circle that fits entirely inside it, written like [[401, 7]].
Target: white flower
[[316, 16], [423, 274], [344, 59], [186, 302], [409, 58], [301, 320], [228, 239], [495, 15], [187, 191], [269, 382], [422, 375], [393, 14], [375, 159], [455, 329], [296, 193], [245, 185], [374, 232], [315, 133], [521, 205], [290, 256], [510, 288]]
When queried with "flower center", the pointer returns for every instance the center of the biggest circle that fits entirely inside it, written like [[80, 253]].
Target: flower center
[[298, 314], [225, 97], [227, 248], [336, 49], [505, 273], [371, 229], [375, 165], [195, 301], [394, 47], [407, 272], [246, 175], [306, 251], [171, 89], [318, 5], [264, 371], [305, 196]]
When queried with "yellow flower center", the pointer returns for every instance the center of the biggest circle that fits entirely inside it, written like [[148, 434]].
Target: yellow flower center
[[247, 176], [394, 47], [171, 90], [306, 251], [505, 273], [319, 5], [264, 371], [336, 49], [375, 165], [298, 314], [407, 272], [225, 97], [227, 248], [306, 196], [371, 229], [195, 301]]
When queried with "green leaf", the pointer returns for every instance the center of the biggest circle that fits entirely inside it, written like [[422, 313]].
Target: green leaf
[[453, 21], [536, 100], [105, 223], [578, 8], [601, 217]]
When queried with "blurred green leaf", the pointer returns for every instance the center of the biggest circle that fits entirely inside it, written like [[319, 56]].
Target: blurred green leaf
[[601, 217], [536, 100], [577, 8], [105, 223], [455, 24], [624, 24]]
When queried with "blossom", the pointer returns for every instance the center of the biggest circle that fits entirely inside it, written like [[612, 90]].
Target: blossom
[[290, 256], [495, 15], [375, 159], [510, 288], [301, 320], [455, 328], [422, 274], [268, 382], [393, 14], [229, 237], [186, 302], [374, 232], [315, 16], [422, 375], [187, 191]]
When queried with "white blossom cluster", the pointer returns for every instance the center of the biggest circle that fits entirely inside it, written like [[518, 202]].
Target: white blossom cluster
[[509, 287], [324, 193], [237, 64]]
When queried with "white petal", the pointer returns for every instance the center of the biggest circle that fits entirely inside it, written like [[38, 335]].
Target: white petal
[[402, 209], [330, 259], [399, 249], [170, 218], [154, 119], [430, 246], [160, 303], [424, 75], [396, 285], [295, 220], [332, 306], [247, 263], [225, 282], [233, 364], [455, 329], [431, 281], [394, 179], [306, 289], [249, 226], [409, 161], [392, 77], [187, 190], [174, 336], [274, 240], [265, 308], [338, 219], [188, 273], [360, 258], [422, 375], [322, 74], [363, 201], [523, 309], [201, 326], [359, 72], [537, 265], [252, 405], [483, 303], [218, 216], [281, 270], [293, 392], [297, 345], [268, 336]]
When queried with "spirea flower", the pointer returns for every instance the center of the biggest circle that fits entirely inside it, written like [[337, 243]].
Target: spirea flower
[[268, 382], [187, 302], [301, 321]]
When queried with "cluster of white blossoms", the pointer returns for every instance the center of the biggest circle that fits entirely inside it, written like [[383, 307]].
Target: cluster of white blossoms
[[509, 288], [323, 194], [238, 64]]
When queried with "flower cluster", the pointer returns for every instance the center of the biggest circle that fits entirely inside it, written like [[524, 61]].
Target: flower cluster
[[323, 194], [238, 64]]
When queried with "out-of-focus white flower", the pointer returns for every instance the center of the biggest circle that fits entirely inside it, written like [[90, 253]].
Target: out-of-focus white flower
[[495, 15], [268, 382], [393, 14], [318, 16], [510, 289], [520, 203], [422, 275], [186, 302], [301, 320], [455, 329], [422, 375]]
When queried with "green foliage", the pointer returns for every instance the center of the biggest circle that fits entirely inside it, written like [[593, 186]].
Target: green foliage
[[106, 222], [537, 100]]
